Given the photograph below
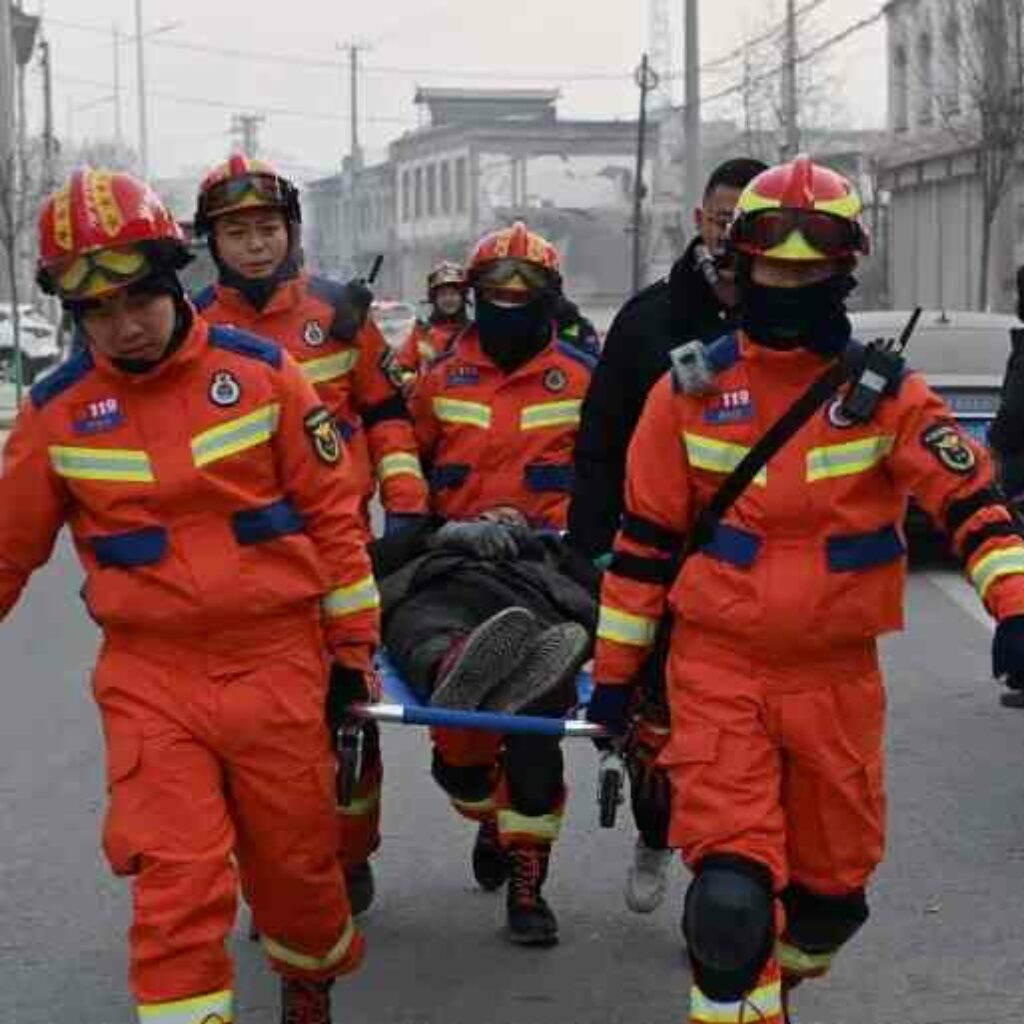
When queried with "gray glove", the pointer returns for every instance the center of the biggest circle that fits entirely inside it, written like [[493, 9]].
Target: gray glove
[[482, 539]]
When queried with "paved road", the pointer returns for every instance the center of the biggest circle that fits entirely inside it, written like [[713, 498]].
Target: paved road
[[945, 944]]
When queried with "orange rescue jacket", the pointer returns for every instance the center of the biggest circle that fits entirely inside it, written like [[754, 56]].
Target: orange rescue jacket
[[357, 380], [427, 342], [811, 556], [490, 439], [210, 500]]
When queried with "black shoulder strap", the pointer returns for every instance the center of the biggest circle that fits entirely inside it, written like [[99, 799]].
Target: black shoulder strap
[[774, 439]]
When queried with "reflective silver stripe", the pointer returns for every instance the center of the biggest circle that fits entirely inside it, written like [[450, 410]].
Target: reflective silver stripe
[[551, 414], [235, 436], [326, 368], [215, 1008], [718, 456], [116, 465], [355, 598], [456, 410], [847, 459], [1008, 561], [304, 961], [623, 628], [763, 1004]]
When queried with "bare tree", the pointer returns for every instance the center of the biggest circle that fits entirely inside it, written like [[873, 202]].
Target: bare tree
[[21, 190], [980, 99]]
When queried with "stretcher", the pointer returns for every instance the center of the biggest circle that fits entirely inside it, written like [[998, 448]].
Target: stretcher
[[401, 706]]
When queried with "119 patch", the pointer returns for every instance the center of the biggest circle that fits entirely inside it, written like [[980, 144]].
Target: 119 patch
[[950, 448], [323, 433]]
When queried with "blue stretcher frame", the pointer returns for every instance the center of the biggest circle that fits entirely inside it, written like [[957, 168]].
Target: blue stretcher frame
[[403, 707]]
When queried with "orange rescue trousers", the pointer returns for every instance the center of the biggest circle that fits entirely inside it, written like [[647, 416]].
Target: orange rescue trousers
[[205, 758]]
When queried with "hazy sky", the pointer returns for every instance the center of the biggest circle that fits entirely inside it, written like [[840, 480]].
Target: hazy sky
[[587, 48]]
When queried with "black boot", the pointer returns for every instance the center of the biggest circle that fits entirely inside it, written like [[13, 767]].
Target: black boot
[[530, 920], [490, 862], [359, 882], [305, 1002]]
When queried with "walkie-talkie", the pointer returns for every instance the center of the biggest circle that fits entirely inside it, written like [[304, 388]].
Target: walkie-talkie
[[881, 370]]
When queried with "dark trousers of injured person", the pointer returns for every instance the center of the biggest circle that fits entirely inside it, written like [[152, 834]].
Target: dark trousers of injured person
[[516, 780]]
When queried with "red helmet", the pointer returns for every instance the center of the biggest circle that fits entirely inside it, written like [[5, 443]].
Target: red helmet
[[102, 231], [515, 261], [449, 273], [799, 211], [242, 183]]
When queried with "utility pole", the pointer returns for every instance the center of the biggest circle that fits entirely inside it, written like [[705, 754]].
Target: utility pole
[[694, 161], [789, 101], [355, 161], [140, 57], [118, 132], [647, 81], [49, 147], [245, 128], [6, 87]]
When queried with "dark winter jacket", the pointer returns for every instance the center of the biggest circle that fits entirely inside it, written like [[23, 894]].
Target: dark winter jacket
[[1006, 435], [677, 309]]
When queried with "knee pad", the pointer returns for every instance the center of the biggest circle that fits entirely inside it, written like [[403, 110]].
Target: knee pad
[[729, 925], [471, 783], [822, 924], [534, 774]]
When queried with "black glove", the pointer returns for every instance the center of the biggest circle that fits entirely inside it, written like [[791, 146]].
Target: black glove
[[345, 687], [1008, 648], [609, 706], [480, 538], [351, 309]]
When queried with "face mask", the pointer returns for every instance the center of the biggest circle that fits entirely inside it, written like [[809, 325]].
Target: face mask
[[811, 317], [512, 335]]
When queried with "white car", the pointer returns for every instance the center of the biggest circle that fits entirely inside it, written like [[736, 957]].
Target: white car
[[39, 348]]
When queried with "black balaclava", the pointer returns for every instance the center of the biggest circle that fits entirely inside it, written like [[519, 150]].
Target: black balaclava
[[512, 335], [812, 316], [163, 282], [258, 291]]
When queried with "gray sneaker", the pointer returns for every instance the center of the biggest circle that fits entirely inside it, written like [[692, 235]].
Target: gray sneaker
[[544, 681], [477, 663], [647, 881]]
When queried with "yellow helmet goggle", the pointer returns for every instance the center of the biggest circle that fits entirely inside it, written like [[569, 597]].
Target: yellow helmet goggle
[[253, 191], [512, 280], [93, 275]]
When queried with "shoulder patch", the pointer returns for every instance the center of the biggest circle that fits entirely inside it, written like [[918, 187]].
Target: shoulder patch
[[204, 299], [66, 376], [231, 339], [581, 356]]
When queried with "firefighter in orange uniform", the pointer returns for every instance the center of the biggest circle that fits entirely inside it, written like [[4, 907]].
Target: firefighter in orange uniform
[[431, 338], [253, 219], [777, 706], [496, 419], [215, 513]]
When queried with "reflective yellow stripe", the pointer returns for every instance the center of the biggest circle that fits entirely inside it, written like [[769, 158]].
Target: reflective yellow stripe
[[542, 826], [397, 463], [311, 963], [214, 1008], [550, 414], [359, 805], [455, 410], [1007, 561], [473, 807], [330, 367], [846, 459], [796, 961], [624, 628], [117, 465], [718, 456], [236, 436], [763, 1004], [349, 600]]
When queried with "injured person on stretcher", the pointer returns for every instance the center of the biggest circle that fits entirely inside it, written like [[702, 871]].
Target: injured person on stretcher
[[487, 614]]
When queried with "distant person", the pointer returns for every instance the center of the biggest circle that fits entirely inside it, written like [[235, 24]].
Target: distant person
[[449, 316], [696, 301]]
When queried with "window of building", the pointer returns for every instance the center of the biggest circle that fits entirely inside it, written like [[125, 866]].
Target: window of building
[[432, 190], [406, 197], [951, 66], [446, 187], [418, 206], [461, 192], [926, 83], [900, 90]]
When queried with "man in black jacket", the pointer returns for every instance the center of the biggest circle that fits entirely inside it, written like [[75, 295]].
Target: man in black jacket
[[697, 300]]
